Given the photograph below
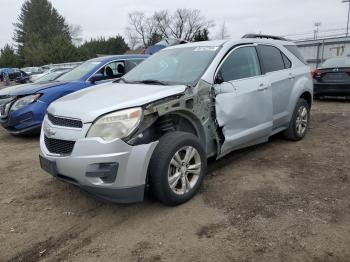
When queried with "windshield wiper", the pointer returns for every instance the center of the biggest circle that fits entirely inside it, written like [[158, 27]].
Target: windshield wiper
[[146, 81], [153, 81], [118, 80]]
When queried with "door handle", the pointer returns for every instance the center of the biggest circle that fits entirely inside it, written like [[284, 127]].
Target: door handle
[[262, 87], [291, 76]]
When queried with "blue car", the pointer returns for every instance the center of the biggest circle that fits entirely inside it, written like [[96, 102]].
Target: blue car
[[23, 107], [164, 44]]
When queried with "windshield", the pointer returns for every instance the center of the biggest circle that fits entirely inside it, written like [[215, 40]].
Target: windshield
[[78, 72], [337, 62], [183, 65], [50, 76]]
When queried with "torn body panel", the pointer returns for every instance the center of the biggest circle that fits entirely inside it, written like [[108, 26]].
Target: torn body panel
[[191, 111], [243, 112]]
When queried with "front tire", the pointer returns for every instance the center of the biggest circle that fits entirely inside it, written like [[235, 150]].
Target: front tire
[[177, 168], [300, 121]]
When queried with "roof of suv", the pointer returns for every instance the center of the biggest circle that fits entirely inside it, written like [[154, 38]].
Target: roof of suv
[[214, 43]]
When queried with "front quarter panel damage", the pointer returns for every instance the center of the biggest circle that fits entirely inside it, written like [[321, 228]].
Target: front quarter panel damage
[[190, 111]]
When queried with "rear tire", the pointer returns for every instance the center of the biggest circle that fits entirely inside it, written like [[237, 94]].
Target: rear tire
[[300, 121], [177, 168]]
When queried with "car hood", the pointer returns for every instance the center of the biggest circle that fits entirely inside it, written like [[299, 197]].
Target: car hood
[[28, 89], [91, 103]]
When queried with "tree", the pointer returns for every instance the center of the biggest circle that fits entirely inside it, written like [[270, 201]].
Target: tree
[[202, 35], [183, 24], [8, 57], [37, 26], [141, 28], [75, 32], [154, 39], [223, 34], [102, 46], [62, 50]]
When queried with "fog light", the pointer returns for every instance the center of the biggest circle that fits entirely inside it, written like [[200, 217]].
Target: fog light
[[107, 172]]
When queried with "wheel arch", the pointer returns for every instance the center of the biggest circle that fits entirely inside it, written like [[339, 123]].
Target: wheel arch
[[187, 119], [307, 96]]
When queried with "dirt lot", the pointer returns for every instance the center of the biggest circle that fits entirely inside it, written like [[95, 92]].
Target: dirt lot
[[281, 201]]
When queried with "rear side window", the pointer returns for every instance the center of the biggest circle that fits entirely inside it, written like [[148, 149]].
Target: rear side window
[[295, 51], [271, 58], [241, 63], [287, 62]]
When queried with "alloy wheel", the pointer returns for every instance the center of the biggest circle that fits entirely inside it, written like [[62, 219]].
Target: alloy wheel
[[302, 121], [184, 170]]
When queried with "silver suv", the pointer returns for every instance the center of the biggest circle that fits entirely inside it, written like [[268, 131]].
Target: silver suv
[[157, 126]]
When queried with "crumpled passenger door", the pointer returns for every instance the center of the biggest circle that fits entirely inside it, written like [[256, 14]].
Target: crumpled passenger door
[[243, 106]]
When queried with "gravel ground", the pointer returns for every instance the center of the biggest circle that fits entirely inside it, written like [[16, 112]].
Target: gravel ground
[[280, 201]]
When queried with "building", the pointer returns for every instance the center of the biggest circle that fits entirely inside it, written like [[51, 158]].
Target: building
[[317, 51]]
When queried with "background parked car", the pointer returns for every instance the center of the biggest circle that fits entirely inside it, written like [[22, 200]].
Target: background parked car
[[22, 78], [15, 74], [51, 76], [34, 77], [333, 78], [22, 108], [32, 70], [1, 75], [163, 44]]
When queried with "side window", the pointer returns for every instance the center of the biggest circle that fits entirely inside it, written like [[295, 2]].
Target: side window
[[241, 63], [130, 64], [286, 61], [295, 51], [271, 58], [113, 70]]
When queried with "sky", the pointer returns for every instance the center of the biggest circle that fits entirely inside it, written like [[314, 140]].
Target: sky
[[109, 17]]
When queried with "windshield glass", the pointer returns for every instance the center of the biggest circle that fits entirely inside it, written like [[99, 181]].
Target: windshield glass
[[337, 62], [183, 65], [50, 76], [78, 72]]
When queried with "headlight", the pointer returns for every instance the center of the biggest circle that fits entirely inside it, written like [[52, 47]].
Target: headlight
[[24, 101], [115, 125]]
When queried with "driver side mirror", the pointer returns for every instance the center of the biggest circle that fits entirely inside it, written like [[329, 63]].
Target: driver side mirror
[[96, 77], [219, 79]]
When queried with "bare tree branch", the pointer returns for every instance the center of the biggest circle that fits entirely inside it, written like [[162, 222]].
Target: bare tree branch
[[223, 34], [182, 24], [76, 32]]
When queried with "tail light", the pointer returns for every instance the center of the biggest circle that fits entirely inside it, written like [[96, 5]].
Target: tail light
[[315, 73]]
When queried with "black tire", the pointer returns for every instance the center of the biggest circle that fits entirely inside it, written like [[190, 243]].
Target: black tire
[[167, 147], [291, 133]]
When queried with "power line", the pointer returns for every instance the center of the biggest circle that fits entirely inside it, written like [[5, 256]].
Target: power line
[[306, 35]]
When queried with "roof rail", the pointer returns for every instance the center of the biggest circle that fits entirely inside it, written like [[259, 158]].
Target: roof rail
[[264, 36]]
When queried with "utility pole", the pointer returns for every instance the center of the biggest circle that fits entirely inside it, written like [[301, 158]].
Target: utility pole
[[317, 25], [347, 24]]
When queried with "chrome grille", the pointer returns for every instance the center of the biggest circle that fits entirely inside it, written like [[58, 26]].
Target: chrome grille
[[57, 146], [66, 122]]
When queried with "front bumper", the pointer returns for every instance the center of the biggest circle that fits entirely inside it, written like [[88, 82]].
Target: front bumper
[[331, 89], [86, 165]]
